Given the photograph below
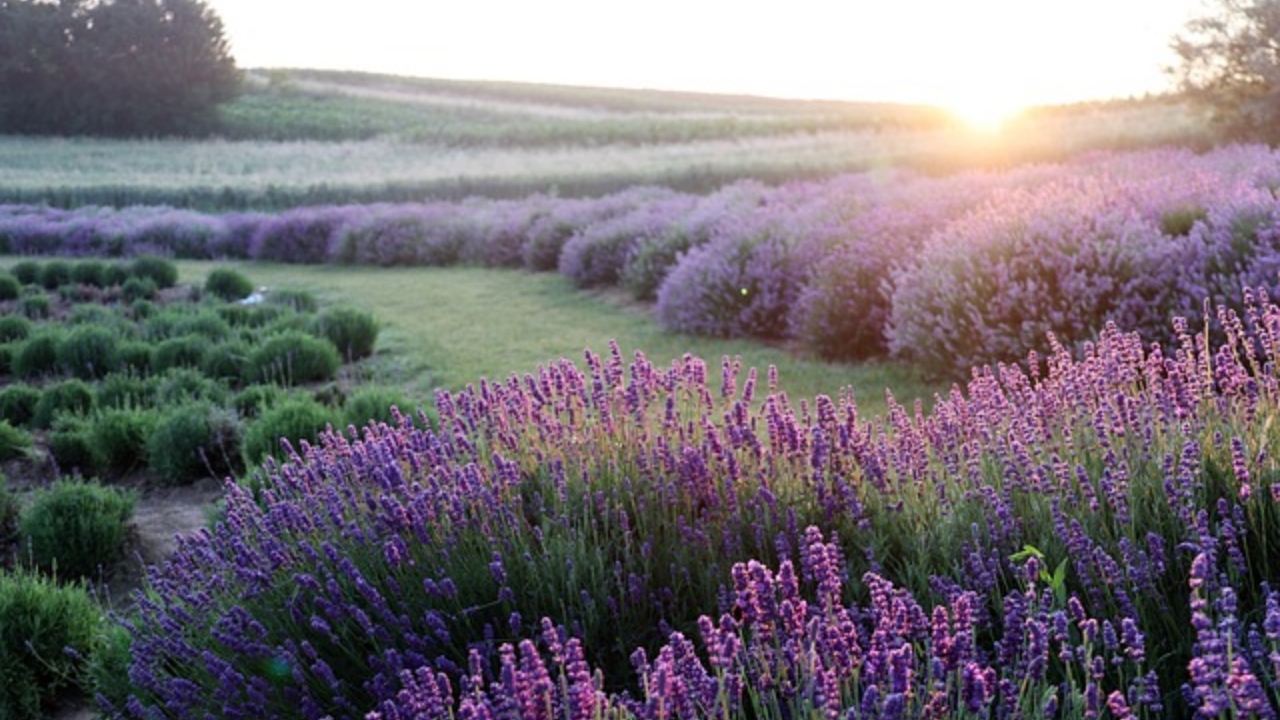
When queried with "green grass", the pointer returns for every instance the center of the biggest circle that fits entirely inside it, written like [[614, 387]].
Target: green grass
[[447, 327], [318, 105], [307, 137]]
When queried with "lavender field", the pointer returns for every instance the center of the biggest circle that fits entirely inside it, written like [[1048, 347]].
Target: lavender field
[[946, 273], [1086, 526], [1095, 537]]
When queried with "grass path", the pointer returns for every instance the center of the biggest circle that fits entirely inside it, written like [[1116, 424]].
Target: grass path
[[447, 327]]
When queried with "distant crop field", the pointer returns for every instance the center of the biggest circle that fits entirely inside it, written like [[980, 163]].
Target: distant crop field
[[303, 138]]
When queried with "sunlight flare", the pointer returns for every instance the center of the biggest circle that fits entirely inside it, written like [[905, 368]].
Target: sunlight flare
[[985, 112]]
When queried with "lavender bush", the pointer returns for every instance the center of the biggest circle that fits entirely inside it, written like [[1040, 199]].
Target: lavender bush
[[1063, 259], [654, 255], [499, 231], [597, 254], [435, 234], [1236, 245], [1090, 534], [789, 647], [947, 272], [549, 231], [843, 308], [385, 236], [174, 233], [742, 283], [305, 235]]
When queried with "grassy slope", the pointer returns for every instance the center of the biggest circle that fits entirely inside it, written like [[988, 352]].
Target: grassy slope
[[405, 138], [450, 327], [306, 137]]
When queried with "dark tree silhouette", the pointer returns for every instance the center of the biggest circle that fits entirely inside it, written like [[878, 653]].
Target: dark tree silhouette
[[1230, 64], [113, 67]]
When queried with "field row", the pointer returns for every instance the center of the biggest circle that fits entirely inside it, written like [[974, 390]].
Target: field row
[[947, 273], [316, 168]]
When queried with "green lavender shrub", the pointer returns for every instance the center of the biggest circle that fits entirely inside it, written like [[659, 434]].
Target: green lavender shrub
[[300, 301], [9, 512], [69, 397], [76, 529], [40, 619], [38, 355], [18, 404], [255, 399], [87, 351], [184, 351], [178, 385], [70, 442], [118, 437], [228, 284], [54, 274], [194, 440], [156, 269], [36, 305], [354, 332], [125, 389], [26, 271], [15, 443], [293, 358], [14, 327], [138, 288], [10, 288], [374, 403], [295, 419], [89, 272]]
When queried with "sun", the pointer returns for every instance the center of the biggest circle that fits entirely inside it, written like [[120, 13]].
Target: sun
[[985, 112]]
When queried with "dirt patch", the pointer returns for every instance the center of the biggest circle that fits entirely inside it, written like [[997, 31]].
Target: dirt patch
[[160, 515]]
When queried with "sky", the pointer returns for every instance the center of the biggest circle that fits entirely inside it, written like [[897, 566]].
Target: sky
[[954, 53]]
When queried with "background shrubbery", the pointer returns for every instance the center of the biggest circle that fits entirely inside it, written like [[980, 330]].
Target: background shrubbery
[[295, 419], [156, 386], [228, 284], [48, 629], [844, 266], [75, 529], [165, 386]]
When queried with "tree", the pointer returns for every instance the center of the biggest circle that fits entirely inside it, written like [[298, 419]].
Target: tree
[[1230, 64], [113, 67]]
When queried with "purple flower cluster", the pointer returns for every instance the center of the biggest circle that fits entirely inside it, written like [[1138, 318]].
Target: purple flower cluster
[[777, 654], [1052, 514], [597, 254], [1102, 243], [948, 272]]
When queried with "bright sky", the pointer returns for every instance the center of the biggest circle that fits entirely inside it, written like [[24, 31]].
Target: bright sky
[[944, 52]]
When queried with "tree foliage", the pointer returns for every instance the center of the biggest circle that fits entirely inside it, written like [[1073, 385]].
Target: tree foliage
[[112, 67], [1230, 64]]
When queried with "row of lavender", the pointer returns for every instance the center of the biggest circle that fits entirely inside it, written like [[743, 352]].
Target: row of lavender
[[1084, 537], [948, 272]]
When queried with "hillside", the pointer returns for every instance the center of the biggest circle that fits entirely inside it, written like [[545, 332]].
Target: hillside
[[302, 137]]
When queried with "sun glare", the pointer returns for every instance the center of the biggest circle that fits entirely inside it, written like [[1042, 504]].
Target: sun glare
[[986, 114]]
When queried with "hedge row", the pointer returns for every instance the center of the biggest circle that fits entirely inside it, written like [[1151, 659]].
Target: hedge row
[[947, 272]]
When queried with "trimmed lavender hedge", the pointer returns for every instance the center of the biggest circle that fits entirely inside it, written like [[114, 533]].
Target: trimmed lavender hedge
[[1093, 534], [945, 272], [742, 283], [1070, 256], [597, 254]]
